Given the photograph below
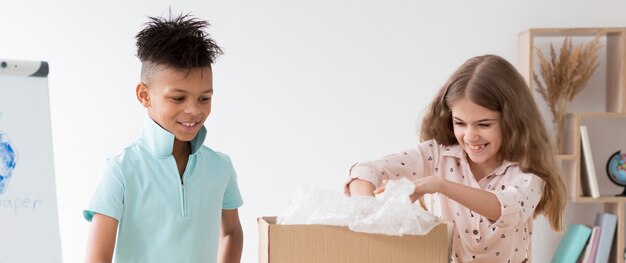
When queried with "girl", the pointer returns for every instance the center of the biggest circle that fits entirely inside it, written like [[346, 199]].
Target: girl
[[486, 152]]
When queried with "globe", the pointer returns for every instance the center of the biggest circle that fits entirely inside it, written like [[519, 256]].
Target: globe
[[616, 170]]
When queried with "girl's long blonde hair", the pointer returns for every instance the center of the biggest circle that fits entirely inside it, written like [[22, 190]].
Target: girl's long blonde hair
[[493, 83]]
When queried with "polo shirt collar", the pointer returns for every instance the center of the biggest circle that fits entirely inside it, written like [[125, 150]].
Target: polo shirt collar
[[457, 151], [160, 142]]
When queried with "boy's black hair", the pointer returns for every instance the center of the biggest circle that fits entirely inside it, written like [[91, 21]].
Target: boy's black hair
[[178, 42]]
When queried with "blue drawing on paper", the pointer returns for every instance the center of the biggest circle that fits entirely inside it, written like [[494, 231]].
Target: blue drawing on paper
[[7, 161]]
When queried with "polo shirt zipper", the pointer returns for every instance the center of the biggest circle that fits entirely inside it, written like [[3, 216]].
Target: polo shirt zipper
[[181, 190], [183, 200]]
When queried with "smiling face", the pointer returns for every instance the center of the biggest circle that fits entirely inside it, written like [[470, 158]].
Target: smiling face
[[478, 131], [177, 101]]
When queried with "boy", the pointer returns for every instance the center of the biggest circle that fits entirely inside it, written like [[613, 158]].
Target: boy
[[163, 197]]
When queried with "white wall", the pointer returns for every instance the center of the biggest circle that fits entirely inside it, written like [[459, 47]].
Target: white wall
[[305, 88]]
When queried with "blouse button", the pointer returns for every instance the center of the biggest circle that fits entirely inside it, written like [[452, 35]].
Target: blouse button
[[475, 232]]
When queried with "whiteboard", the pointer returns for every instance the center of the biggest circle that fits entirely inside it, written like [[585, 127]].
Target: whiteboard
[[29, 224]]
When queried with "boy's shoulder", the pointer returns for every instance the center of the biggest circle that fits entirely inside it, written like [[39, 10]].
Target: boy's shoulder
[[132, 151], [208, 152]]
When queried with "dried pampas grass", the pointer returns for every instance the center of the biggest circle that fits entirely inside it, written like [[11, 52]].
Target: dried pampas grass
[[565, 76]]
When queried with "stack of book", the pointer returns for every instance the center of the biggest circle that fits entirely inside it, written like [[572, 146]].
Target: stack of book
[[587, 244]]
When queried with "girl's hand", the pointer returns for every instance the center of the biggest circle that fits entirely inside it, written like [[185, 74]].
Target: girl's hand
[[427, 185]]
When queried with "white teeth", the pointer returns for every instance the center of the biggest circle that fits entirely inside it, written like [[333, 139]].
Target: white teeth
[[476, 147], [188, 124]]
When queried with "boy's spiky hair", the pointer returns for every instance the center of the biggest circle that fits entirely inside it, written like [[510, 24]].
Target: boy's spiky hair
[[178, 42]]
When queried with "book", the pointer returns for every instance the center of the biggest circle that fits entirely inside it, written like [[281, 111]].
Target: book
[[590, 180], [572, 244], [592, 245], [607, 223]]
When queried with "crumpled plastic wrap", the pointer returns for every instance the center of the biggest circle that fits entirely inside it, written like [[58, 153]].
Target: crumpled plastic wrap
[[389, 213]]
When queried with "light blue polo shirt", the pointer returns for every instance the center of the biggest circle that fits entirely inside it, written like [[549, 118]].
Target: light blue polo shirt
[[161, 217]]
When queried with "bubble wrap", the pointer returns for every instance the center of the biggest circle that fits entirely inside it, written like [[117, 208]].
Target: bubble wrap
[[389, 213]]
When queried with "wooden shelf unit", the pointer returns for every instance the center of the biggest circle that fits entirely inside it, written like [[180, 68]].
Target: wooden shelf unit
[[615, 107]]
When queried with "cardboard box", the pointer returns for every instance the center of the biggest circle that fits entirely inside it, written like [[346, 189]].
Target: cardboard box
[[327, 244]]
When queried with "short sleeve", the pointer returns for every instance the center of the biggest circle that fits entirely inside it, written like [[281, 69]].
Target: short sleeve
[[518, 199], [108, 199], [412, 163], [232, 196]]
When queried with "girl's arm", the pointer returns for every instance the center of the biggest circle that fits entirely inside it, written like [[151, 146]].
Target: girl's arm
[[412, 163], [361, 187], [477, 200], [231, 242], [480, 201], [101, 240]]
